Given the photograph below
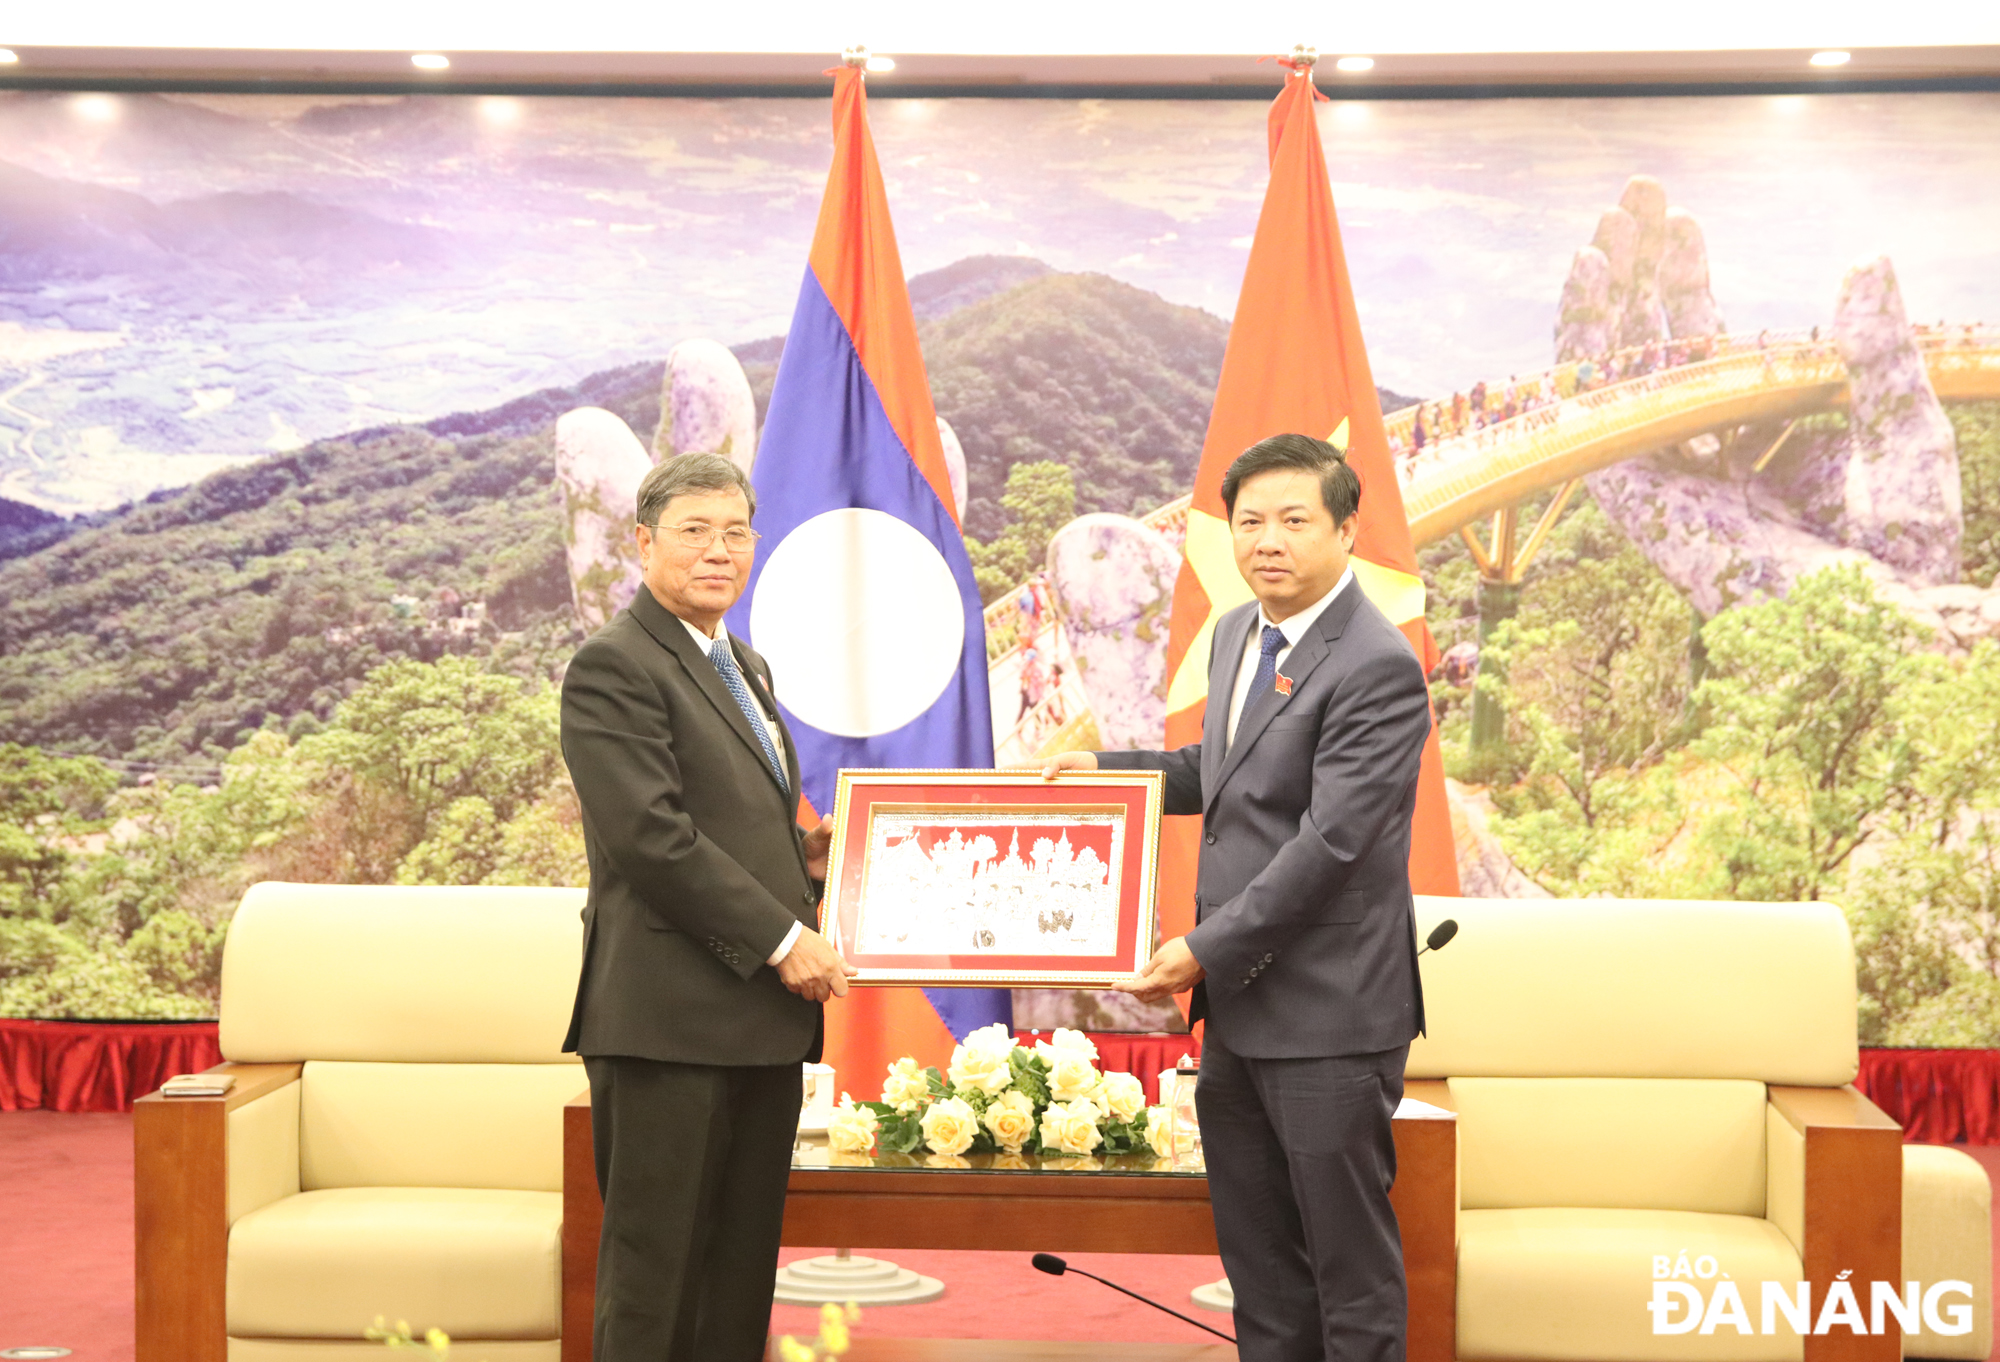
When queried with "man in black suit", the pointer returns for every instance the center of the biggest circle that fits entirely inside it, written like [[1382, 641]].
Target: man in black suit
[[1303, 961], [702, 974]]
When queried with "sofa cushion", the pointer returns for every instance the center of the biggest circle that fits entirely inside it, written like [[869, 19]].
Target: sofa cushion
[[1573, 1285], [477, 1264], [434, 1125], [391, 972], [1608, 988], [1948, 1237], [1666, 1144]]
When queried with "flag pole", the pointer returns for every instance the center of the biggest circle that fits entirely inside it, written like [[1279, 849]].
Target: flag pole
[[840, 1277]]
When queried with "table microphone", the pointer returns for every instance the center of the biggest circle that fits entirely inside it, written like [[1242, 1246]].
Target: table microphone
[[1055, 1267], [1440, 934]]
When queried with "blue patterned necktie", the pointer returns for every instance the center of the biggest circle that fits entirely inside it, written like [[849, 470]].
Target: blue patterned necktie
[[1267, 664], [725, 665], [1266, 675]]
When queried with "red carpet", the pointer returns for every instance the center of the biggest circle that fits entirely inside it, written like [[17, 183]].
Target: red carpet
[[66, 1232], [997, 1295], [66, 1261]]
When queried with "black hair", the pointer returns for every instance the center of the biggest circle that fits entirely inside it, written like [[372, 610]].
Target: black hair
[[1339, 487], [690, 475]]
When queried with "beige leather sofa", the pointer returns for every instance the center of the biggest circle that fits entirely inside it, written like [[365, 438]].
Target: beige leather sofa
[[1632, 1082], [393, 1146], [1653, 1101]]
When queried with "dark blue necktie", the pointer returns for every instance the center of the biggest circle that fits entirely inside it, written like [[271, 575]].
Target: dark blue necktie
[[725, 665], [1266, 675]]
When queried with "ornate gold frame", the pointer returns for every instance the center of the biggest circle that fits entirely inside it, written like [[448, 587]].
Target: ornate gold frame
[[1152, 782]]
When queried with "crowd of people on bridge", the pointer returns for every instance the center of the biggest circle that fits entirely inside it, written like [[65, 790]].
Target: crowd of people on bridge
[[1447, 428], [1466, 418], [1968, 336]]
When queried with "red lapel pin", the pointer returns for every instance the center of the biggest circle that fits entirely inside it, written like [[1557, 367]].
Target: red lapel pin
[[1284, 684]]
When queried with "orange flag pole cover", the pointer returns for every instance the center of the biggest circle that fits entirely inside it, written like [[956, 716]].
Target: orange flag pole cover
[[854, 257], [1295, 362], [872, 1028]]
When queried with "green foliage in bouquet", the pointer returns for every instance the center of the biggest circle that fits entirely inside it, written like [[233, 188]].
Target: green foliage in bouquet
[[1001, 1097], [900, 1131]]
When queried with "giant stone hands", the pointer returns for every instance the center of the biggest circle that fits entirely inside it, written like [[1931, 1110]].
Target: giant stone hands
[[706, 407], [1883, 495]]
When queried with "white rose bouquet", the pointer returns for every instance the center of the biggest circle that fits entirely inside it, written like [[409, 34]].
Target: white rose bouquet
[[998, 1096]]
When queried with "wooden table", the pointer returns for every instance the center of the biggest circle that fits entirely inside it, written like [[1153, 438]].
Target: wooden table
[[1118, 1205]]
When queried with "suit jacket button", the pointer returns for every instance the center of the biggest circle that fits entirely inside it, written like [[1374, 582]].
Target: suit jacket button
[[808, 897], [1211, 839]]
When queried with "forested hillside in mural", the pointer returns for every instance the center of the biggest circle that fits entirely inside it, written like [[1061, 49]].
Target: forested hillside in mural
[[290, 571]]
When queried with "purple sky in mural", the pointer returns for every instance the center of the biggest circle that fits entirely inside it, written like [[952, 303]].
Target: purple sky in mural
[[187, 281]]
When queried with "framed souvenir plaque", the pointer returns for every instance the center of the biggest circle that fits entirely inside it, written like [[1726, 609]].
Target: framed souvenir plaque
[[993, 879]]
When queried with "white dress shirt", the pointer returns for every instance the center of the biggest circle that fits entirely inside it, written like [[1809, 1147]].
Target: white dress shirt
[[1294, 629], [704, 642]]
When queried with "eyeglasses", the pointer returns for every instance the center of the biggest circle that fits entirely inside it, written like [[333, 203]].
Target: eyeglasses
[[697, 536]]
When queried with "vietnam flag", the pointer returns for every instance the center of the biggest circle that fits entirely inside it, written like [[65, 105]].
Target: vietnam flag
[[862, 595], [1295, 362]]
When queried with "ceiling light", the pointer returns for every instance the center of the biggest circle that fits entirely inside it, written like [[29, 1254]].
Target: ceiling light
[[430, 61], [880, 65], [1355, 65], [8, 56], [1832, 58]]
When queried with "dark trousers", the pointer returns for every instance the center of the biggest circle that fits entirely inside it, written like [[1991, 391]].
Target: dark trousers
[[692, 1161], [1301, 1156]]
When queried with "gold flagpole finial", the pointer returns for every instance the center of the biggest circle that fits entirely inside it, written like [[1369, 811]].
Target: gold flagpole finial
[[856, 57], [1304, 58]]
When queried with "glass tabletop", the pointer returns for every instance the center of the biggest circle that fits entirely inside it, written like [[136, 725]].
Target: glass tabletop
[[811, 1153]]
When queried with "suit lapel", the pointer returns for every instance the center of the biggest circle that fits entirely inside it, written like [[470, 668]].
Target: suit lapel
[[670, 633], [1226, 656], [760, 678], [1301, 662]]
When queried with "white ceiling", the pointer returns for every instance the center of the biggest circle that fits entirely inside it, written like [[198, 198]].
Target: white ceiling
[[1019, 28]]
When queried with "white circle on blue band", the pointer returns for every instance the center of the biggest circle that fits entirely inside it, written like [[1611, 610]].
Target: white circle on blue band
[[861, 621]]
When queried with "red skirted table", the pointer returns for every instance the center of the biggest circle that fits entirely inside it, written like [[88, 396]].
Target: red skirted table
[[1937, 1096], [96, 1066], [1144, 1055]]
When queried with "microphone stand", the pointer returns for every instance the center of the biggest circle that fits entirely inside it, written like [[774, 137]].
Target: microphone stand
[[1133, 1294]]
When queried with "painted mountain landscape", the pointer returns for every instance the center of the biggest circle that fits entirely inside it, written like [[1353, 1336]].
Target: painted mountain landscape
[[282, 542]]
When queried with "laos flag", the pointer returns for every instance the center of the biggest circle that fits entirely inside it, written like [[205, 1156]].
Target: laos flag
[[862, 597]]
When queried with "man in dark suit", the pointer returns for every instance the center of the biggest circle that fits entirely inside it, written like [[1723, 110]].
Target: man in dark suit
[[1303, 961], [702, 974]]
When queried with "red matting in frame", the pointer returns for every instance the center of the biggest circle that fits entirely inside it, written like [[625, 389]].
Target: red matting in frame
[[932, 806]]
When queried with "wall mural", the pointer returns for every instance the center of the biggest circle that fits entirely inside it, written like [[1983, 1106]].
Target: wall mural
[[319, 420]]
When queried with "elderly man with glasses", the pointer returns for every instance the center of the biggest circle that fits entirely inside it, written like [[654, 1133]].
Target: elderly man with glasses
[[702, 974]]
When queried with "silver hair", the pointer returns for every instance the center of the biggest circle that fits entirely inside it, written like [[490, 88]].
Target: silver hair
[[685, 474]]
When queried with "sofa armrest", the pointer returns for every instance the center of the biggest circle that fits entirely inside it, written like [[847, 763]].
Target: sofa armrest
[[180, 1192], [261, 1138], [1425, 1196], [1849, 1211], [583, 1220]]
